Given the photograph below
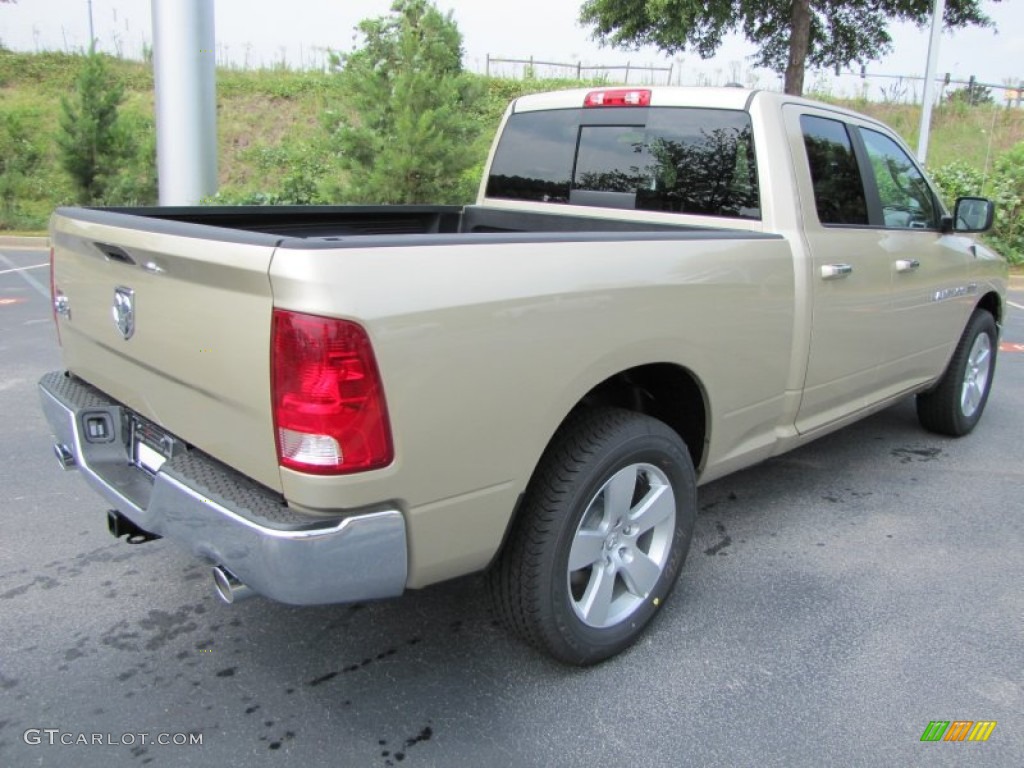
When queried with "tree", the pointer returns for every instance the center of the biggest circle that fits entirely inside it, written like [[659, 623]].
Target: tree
[[789, 33], [94, 144], [971, 94], [405, 130], [19, 160]]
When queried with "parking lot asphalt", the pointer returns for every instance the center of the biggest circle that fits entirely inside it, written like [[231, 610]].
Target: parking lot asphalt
[[836, 601]]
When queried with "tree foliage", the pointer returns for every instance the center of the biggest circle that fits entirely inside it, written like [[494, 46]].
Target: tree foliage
[[19, 159], [97, 148], [405, 128], [1008, 192], [790, 34], [971, 94]]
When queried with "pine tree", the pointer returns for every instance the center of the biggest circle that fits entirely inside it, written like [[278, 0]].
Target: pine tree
[[93, 143], [404, 130]]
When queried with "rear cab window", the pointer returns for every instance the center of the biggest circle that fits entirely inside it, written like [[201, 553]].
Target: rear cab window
[[670, 159]]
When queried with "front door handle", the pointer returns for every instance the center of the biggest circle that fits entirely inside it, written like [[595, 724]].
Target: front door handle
[[907, 265], [835, 271]]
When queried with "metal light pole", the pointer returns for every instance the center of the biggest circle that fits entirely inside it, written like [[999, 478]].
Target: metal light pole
[[92, 35], [184, 75], [929, 80]]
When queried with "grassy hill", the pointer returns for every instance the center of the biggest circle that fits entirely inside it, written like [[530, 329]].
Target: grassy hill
[[271, 133]]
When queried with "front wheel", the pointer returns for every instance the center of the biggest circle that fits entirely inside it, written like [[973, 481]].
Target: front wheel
[[955, 406], [601, 537]]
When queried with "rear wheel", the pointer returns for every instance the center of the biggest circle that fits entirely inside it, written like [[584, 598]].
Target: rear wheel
[[955, 406], [602, 535]]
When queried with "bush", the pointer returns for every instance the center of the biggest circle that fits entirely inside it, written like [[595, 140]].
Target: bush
[[19, 160], [1008, 193], [1006, 188], [957, 179]]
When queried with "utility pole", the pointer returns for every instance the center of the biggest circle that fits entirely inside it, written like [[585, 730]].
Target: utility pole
[[184, 76], [92, 35], [929, 80]]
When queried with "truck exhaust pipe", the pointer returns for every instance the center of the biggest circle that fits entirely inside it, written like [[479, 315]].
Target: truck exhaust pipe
[[229, 588]]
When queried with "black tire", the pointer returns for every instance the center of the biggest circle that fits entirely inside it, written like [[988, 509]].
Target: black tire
[[956, 403], [570, 503]]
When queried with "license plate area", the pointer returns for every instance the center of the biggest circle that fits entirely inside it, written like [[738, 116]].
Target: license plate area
[[149, 446]]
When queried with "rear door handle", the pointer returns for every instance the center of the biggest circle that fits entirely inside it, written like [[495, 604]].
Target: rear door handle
[[835, 271], [907, 265]]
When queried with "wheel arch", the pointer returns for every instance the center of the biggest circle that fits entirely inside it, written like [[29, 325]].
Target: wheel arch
[[992, 304], [667, 392]]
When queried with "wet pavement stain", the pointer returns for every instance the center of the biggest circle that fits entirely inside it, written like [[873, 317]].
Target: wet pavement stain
[[327, 677], [44, 582], [76, 652], [426, 734], [288, 736], [724, 542], [908, 455], [167, 626], [841, 497], [119, 638], [322, 679]]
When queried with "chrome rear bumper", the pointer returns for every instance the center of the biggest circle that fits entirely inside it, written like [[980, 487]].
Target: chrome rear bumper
[[223, 516]]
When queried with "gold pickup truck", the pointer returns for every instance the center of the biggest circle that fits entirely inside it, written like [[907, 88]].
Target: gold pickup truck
[[655, 287]]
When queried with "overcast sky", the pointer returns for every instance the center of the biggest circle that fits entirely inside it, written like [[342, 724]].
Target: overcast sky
[[256, 32]]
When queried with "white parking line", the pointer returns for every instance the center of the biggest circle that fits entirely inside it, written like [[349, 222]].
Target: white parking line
[[1015, 305], [12, 267], [22, 269]]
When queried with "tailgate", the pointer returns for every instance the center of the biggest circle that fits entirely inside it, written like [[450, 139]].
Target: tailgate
[[197, 361]]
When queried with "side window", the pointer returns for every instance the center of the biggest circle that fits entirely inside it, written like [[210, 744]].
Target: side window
[[907, 202], [838, 187]]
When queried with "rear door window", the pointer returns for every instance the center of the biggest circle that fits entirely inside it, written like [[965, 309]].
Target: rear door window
[[838, 186]]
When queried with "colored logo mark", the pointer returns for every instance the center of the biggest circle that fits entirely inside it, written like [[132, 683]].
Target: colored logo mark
[[958, 730]]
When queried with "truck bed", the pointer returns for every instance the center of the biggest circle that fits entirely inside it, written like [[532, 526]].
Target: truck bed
[[267, 225]]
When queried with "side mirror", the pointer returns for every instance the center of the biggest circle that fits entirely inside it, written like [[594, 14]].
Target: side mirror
[[973, 214]]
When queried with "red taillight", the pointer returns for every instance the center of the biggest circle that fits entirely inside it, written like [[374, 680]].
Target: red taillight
[[330, 417], [618, 97]]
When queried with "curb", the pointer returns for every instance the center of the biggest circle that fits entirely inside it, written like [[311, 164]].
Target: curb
[[10, 241]]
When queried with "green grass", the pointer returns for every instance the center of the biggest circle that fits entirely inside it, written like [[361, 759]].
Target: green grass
[[973, 135], [267, 118], [24, 233]]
